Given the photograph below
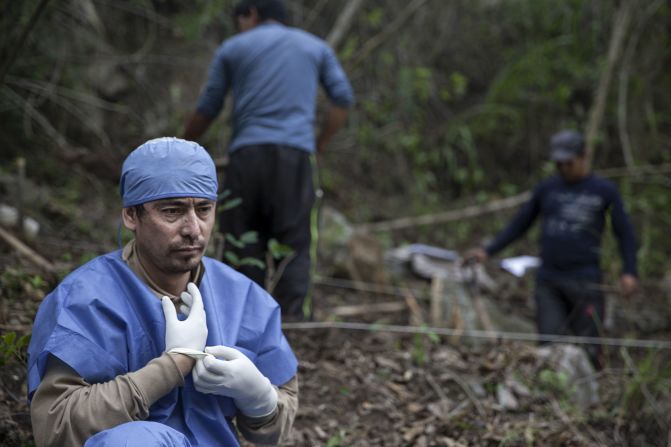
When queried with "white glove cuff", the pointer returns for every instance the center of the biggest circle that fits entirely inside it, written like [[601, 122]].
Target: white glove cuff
[[262, 406]]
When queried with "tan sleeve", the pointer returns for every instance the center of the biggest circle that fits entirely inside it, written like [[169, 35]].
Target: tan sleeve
[[66, 410], [272, 429]]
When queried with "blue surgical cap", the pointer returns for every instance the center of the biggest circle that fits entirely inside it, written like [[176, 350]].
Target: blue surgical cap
[[167, 167]]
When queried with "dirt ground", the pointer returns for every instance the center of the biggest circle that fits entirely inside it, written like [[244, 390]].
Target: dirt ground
[[378, 388], [374, 388]]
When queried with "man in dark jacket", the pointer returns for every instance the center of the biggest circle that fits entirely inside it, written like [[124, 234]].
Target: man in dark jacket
[[573, 205], [273, 72]]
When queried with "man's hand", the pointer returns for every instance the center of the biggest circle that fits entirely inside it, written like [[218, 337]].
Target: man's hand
[[196, 126], [628, 284], [236, 377], [335, 119], [478, 255], [190, 333]]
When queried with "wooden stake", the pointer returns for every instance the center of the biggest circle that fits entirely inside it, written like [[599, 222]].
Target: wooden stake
[[20, 182], [416, 318], [437, 290], [26, 251]]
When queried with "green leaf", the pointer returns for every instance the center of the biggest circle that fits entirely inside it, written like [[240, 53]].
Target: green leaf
[[9, 338], [278, 250], [249, 237], [459, 83], [233, 241], [223, 195], [23, 342], [375, 16], [229, 204], [253, 262], [232, 258]]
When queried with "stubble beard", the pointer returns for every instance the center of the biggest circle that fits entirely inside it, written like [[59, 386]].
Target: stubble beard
[[182, 264]]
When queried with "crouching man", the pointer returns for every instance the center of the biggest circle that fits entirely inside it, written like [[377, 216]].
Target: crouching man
[[111, 362]]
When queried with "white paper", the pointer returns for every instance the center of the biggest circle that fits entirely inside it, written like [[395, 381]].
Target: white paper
[[519, 265], [191, 353]]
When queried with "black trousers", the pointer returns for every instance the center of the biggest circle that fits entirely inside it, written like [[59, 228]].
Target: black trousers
[[276, 187], [571, 306]]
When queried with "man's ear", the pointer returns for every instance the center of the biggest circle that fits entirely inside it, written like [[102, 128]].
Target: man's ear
[[130, 218]]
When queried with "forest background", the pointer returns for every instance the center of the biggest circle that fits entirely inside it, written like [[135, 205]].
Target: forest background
[[455, 103]]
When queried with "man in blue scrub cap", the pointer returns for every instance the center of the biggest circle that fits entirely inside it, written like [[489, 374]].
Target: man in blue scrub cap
[[112, 363]]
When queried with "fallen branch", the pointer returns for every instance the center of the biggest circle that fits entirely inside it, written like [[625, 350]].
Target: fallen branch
[[469, 393], [26, 251], [447, 216], [362, 309], [20, 328], [436, 387], [562, 416], [496, 205]]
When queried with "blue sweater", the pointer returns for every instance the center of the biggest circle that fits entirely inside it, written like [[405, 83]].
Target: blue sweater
[[273, 72], [573, 220]]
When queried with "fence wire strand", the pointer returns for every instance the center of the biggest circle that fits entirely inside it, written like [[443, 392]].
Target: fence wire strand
[[476, 334]]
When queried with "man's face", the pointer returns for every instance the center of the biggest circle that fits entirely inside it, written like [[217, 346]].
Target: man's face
[[573, 169], [171, 235]]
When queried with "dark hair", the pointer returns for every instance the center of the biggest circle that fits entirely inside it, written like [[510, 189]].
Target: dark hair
[[267, 9], [139, 210]]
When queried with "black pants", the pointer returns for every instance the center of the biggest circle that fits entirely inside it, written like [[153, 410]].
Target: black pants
[[571, 306], [275, 185]]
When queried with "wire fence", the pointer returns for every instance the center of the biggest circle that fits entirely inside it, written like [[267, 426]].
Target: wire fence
[[476, 334]]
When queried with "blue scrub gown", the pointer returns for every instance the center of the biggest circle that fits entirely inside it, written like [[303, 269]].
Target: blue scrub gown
[[103, 321]]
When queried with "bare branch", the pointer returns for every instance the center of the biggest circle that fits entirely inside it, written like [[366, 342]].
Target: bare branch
[[16, 49], [623, 87], [389, 30], [620, 26], [343, 23]]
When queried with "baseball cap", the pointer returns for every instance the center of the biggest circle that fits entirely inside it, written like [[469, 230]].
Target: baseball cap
[[566, 145]]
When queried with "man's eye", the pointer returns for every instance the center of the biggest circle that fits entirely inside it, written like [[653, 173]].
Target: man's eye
[[171, 211], [205, 209]]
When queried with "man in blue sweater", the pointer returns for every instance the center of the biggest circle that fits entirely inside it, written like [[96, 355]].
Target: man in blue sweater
[[573, 205], [273, 72]]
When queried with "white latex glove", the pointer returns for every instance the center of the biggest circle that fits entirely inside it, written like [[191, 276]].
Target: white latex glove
[[236, 377], [190, 333]]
